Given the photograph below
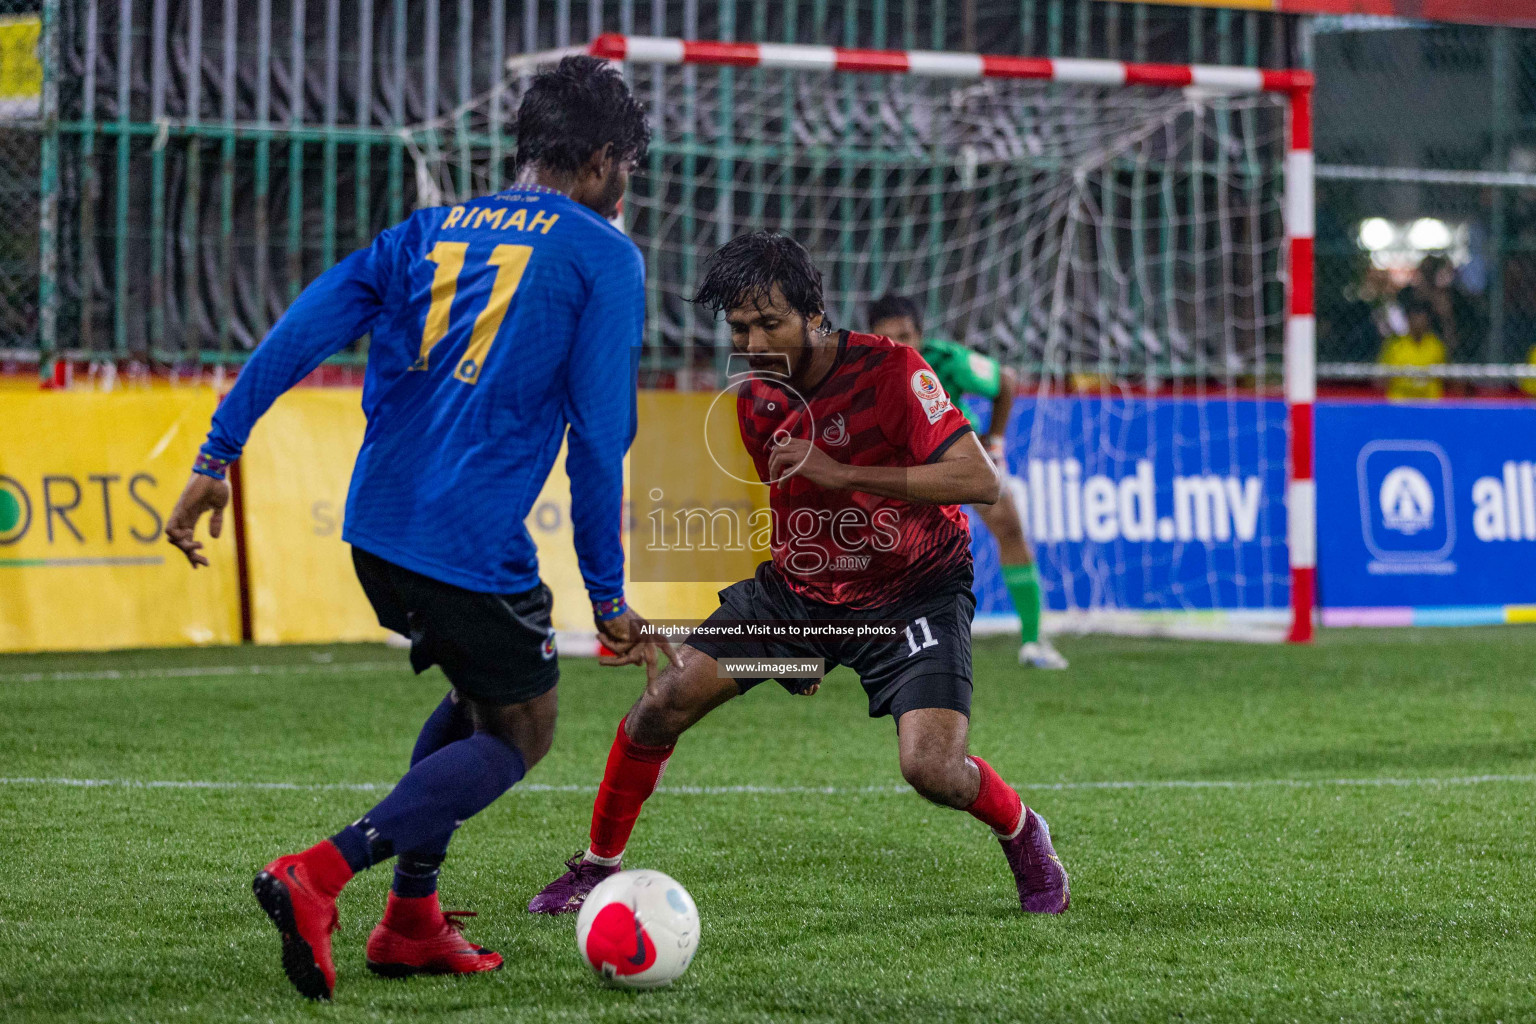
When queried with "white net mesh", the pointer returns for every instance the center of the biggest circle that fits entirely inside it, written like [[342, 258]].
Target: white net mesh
[[1120, 247]]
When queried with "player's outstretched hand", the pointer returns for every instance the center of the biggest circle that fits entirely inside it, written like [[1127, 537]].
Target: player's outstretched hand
[[622, 636], [202, 494], [796, 456], [646, 653], [621, 633]]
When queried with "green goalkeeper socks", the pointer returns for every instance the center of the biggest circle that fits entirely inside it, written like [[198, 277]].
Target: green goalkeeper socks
[[1023, 585]]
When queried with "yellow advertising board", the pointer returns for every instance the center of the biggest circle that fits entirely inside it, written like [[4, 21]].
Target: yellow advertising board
[[87, 479], [294, 476], [693, 496], [86, 482], [669, 469], [297, 466]]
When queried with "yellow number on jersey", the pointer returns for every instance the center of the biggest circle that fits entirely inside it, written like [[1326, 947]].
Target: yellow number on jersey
[[449, 257], [510, 261]]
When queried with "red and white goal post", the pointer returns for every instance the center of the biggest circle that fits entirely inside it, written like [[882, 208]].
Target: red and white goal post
[[1135, 239]]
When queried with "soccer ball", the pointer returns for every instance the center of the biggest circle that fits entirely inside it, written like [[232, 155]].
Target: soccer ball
[[638, 929]]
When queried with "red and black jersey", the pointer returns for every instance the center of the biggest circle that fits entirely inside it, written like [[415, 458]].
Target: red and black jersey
[[880, 405]]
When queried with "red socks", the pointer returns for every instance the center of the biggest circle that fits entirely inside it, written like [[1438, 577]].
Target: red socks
[[632, 774], [997, 803], [418, 917], [327, 868]]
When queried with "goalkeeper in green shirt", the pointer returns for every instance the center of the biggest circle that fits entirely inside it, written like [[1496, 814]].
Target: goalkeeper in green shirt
[[963, 372]]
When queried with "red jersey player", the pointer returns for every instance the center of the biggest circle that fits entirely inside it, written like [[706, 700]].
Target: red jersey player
[[868, 462]]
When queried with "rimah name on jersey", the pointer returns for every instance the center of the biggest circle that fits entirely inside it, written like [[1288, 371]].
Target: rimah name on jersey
[[500, 218]]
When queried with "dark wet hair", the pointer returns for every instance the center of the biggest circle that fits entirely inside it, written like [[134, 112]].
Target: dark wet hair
[[745, 269], [575, 109], [891, 306]]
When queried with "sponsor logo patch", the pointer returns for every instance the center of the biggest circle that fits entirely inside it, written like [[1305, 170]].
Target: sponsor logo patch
[[930, 394]]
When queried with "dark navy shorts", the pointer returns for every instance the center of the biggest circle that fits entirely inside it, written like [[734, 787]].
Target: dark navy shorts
[[495, 648], [928, 667]]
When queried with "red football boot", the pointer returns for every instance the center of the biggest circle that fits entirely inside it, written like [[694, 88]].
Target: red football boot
[[418, 937], [298, 892]]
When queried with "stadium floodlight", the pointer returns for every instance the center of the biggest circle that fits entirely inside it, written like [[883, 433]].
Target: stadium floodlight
[[1429, 234], [1376, 234], [1128, 236]]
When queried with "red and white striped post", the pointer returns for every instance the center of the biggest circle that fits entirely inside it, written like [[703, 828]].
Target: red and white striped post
[[1301, 366], [1301, 331]]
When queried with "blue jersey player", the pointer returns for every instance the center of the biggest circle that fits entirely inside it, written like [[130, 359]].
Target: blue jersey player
[[499, 327]]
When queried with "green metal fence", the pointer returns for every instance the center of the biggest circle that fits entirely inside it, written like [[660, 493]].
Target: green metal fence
[[191, 164]]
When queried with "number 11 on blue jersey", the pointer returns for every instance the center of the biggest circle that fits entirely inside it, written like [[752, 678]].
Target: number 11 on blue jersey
[[510, 261]]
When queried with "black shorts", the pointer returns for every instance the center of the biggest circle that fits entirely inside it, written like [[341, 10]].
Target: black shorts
[[928, 667], [496, 648]]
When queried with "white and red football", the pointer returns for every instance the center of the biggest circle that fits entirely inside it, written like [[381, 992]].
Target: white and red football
[[638, 929]]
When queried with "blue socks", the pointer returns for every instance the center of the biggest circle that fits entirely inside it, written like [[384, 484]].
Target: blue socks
[[416, 870], [416, 874], [449, 721], [441, 790]]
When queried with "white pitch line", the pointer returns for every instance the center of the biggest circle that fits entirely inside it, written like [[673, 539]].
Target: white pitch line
[[536, 787], [211, 671]]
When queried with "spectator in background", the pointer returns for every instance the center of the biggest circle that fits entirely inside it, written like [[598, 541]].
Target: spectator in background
[[1455, 314], [1418, 346], [1528, 384]]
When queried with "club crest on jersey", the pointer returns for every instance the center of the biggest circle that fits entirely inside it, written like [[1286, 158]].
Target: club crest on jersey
[[836, 432], [930, 394]]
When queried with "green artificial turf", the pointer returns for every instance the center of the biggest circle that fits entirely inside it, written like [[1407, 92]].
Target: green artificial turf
[[1325, 877]]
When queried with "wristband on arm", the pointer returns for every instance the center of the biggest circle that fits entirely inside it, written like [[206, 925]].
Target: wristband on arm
[[207, 465], [604, 611]]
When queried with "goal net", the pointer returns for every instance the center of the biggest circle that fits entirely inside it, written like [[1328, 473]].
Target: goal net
[[1121, 247]]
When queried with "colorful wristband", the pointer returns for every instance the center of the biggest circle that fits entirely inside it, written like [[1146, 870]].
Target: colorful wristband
[[207, 465], [609, 609]]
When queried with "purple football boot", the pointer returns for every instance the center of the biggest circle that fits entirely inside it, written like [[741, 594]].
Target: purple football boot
[[566, 894], [1041, 879]]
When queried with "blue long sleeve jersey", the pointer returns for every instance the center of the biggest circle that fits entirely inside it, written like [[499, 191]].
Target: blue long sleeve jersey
[[496, 325]]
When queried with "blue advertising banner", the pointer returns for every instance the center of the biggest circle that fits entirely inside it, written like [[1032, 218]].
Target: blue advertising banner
[[1426, 512], [1142, 504]]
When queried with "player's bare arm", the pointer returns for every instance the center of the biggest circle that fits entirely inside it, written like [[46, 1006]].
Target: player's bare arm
[[963, 475]]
